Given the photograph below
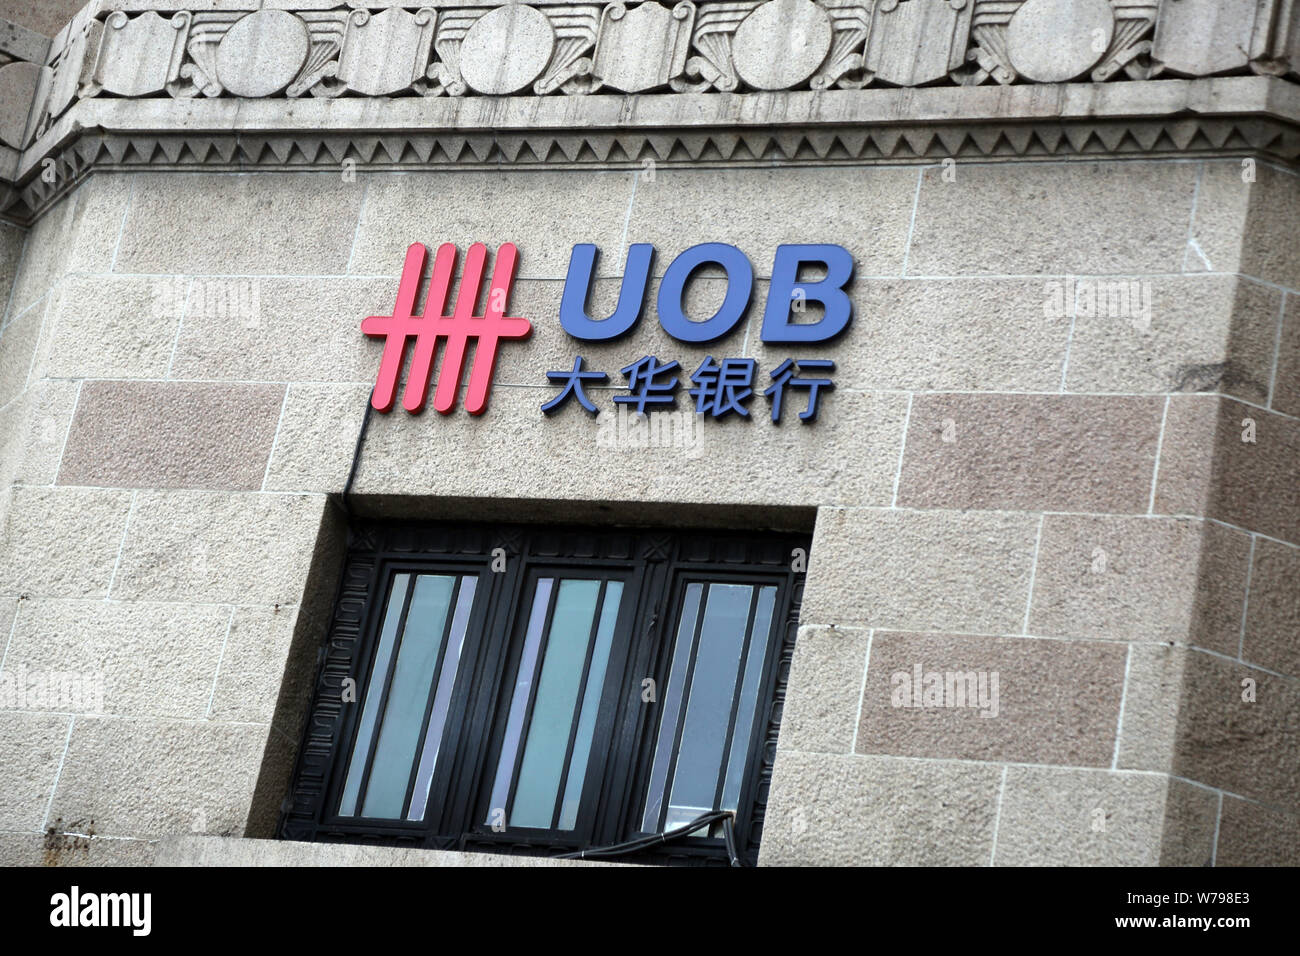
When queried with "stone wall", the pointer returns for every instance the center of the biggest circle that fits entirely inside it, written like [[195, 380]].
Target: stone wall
[[1073, 301], [1062, 498]]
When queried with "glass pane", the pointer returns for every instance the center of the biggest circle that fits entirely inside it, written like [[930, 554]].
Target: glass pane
[[374, 690], [399, 733], [590, 706], [519, 702], [442, 698], [683, 649], [740, 739], [712, 693], [557, 698]]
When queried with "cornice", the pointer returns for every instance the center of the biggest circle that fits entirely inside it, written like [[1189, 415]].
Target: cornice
[[220, 85]]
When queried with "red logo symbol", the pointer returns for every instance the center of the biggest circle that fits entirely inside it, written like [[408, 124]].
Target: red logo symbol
[[458, 328]]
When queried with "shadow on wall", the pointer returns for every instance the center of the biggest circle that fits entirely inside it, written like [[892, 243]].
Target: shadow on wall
[[43, 16]]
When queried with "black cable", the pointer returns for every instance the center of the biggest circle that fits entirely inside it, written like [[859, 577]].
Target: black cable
[[356, 455], [641, 843]]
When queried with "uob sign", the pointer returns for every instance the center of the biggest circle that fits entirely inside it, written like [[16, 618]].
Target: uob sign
[[720, 387]]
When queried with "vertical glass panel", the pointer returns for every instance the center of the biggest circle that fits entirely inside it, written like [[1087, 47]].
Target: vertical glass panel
[[442, 698], [399, 734], [519, 701], [708, 713], [749, 688], [590, 706], [374, 691], [683, 648], [557, 698]]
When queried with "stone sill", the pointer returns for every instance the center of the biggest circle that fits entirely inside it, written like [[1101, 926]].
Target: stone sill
[[234, 851]]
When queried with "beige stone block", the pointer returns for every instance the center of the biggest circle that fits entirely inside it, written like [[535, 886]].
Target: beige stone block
[[1223, 199], [73, 849], [1272, 637], [867, 212], [985, 334], [18, 344], [1286, 385], [1268, 249], [37, 557], [1031, 701], [1186, 713], [45, 422], [917, 570], [849, 455], [821, 700], [1035, 452], [231, 851], [78, 234], [1056, 817], [241, 224], [317, 437], [12, 239], [171, 435], [282, 330], [1209, 467], [219, 547], [253, 666], [199, 776], [845, 810], [31, 746], [1254, 835], [543, 212], [1071, 218], [1173, 334], [112, 327], [1140, 579], [148, 660]]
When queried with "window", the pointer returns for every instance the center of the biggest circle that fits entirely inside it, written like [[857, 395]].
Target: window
[[538, 690]]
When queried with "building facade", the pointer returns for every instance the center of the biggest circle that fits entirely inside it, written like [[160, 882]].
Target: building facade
[[965, 531]]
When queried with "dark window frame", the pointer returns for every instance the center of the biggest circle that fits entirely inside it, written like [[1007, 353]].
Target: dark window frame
[[655, 565]]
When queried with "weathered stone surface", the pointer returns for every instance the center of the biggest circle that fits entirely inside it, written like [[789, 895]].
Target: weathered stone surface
[[1209, 465], [1200, 37], [1186, 713], [1083, 219], [114, 327], [642, 48], [20, 86], [76, 849], [317, 436], [253, 672], [821, 701], [1055, 702], [846, 810], [1052, 41], [155, 660], [139, 56], [1173, 334], [781, 44], [917, 570], [1272, 637], [259, 329], [918, 42], [1255, 835], [1286, 384], [869, 215], [1093, 818], [218, 547], [385, 52], [506, 49], [1140, 579], [31, 746], [34, 555], [207, 225], [172, 435], [202, 775], [262, 53], [1055, 453], [218, 851]]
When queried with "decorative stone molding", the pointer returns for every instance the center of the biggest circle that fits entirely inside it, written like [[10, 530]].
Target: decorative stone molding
[[164, 79]]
